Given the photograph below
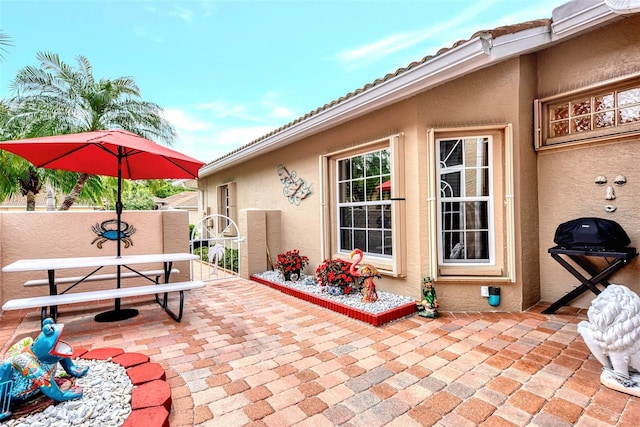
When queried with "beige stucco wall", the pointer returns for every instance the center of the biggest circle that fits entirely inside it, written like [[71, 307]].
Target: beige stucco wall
[[545, 184], [69, 234], [258, 186], [569, 191], [566, 175], [478, 99], [491, 97]]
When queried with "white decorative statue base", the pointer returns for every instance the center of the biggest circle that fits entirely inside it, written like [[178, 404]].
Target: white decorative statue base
[[613, 336]]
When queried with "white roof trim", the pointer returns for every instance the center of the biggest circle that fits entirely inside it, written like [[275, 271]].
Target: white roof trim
[[472, 55], [623, 7], [582, 20]]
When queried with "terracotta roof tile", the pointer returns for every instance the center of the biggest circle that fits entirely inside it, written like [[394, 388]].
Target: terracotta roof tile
[[183, 199]]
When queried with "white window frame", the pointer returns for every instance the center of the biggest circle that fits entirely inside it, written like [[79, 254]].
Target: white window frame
[[393, 265], [382, 203], [489, 199], [505, 249], [227, 207]]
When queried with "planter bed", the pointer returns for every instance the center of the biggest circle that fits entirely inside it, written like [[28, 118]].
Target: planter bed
[[400, 309]]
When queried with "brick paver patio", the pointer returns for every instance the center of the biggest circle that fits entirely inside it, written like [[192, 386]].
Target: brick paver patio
[[245, 354]]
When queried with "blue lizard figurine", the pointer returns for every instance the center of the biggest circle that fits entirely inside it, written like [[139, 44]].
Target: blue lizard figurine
[[32, 369]]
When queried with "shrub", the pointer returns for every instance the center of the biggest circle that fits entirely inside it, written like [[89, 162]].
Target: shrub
[[229, 261]]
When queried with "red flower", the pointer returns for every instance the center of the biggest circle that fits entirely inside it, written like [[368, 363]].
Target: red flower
[[334, 272], [291, 261]]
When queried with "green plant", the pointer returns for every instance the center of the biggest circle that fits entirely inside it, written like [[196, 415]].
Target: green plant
[[228, 262], [203, 252]]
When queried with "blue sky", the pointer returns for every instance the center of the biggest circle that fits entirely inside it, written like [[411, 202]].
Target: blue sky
[[227, 72]]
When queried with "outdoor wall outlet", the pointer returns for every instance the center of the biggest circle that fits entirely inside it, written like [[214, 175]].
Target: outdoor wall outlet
[[484, 291]]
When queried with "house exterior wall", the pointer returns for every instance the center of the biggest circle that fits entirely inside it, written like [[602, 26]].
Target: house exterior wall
[[258, 186], [25, 235], [549, 187], [492, 96], [482, 98], [566, 175]]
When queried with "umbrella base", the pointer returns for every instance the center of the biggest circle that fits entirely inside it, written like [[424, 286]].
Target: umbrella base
[[116, 315]]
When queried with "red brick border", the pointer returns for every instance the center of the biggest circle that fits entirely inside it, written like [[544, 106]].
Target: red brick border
[[371, 318], [151, 398]]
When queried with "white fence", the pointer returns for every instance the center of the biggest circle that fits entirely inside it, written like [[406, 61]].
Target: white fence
[[216, 239]]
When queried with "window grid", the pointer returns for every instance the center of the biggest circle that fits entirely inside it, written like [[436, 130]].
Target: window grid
[[227, 204], [465, 201], [607, 109], [364, 203]]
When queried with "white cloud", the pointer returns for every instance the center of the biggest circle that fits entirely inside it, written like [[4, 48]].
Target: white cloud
[[239, 136], [147, 35], [211, 145], [183, 121], [258, 112], [183, 13], [222, 109], [380, 49], [537, 10], [212, 129], [281, 113], [208, 7]]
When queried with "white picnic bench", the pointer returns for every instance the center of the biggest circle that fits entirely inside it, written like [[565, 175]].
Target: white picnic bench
[[51, 265], [156, 274]]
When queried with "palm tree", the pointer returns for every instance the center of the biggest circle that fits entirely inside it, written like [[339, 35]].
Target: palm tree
[[4, 41], [21, 177], [59, 99], [18, 175]]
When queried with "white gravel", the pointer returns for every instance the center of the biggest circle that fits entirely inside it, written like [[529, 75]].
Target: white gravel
[[309, 285], [105, 401]]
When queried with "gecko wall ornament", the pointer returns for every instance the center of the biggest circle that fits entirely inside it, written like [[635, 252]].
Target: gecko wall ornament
[[295, 189]]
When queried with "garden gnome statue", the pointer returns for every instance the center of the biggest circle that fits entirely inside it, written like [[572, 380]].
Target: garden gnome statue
[[613, 336], [31, 368], [429, 305]]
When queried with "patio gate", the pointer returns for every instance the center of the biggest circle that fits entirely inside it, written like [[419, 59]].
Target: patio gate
[[216, 239]]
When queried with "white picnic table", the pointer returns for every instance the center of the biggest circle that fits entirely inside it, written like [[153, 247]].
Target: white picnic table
[[52, 265]]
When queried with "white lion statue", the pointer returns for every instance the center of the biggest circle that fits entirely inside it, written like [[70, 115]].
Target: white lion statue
[[613, 336]]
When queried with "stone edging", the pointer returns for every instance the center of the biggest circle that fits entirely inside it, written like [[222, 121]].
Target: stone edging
[[375, 319], [151, 396]]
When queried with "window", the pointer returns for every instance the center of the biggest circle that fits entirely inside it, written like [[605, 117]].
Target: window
[[588, 115], [363, 204], [364, 189], [227, 206], [471, 211], [465, 226]]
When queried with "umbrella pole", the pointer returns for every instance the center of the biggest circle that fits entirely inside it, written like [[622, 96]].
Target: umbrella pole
[[119, 223], [117, 313]]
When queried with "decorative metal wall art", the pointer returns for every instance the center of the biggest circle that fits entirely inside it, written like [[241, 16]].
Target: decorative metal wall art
[[107, 230], [295, 189]]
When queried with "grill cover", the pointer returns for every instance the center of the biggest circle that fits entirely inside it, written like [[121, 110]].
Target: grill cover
[[591, 234]]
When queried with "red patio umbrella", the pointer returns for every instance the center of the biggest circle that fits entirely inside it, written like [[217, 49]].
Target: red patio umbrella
[[385, 186], [106, 152]]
